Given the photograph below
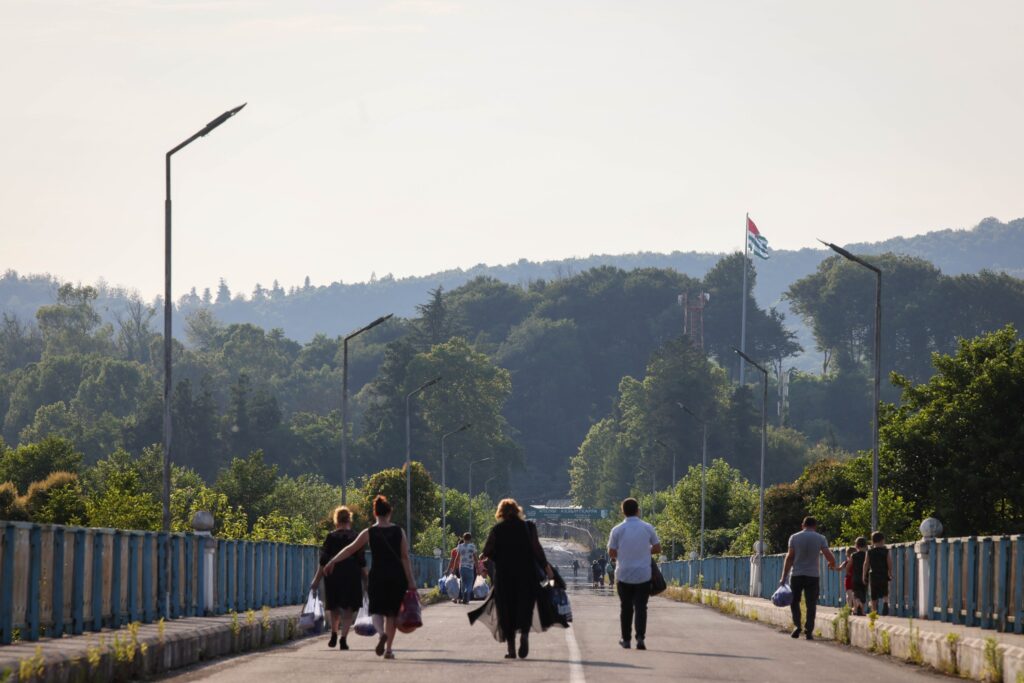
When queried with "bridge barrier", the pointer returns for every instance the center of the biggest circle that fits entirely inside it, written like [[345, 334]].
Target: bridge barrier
[[57, 580], [973, 581]]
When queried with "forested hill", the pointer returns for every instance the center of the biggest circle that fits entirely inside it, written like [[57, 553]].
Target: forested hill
[[337, 308]]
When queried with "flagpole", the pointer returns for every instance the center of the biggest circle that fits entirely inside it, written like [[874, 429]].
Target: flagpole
[[743, 295]]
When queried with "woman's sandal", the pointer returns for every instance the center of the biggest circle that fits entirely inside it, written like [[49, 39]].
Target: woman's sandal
[[389, 655], [381, 644]]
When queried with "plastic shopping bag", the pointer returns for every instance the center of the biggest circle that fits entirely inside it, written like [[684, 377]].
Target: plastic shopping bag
[[480, 589], [410, 615], [451, 586], [311, 620], [364, 622], [560, 599], [783, 596]]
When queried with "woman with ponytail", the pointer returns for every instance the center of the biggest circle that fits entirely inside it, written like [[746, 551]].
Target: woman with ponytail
[[390, 570]]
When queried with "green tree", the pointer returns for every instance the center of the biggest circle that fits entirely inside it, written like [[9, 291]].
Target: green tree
[[57, 499], [730, 501], [391, 483], [959, 437], [248, 484], [36, 461]]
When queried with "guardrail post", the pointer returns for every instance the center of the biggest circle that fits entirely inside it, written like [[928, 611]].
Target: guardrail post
[[174, 576], [163, 552], [221, 574], [35, 565], [971, 597], [78, 584], [115, 579], [958, 572], [150, 600], [57, 579], [133, 578], [925, 549], [7, 586], [985, 579], [97, 580], [942, 548], [190, 608], [1002, 580], [1018, 581]]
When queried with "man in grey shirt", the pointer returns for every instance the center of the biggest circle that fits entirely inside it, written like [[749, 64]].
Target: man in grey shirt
[[802, 558]]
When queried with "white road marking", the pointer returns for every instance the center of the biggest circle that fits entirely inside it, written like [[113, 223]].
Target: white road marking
[[575, 660]]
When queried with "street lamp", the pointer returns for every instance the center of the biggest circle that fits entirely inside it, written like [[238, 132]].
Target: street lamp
[[168, 307], [344, 404], [703, 471], [759, 551], [408, 455], [475, 462], [444, 487], [674, 480], [878, 372]]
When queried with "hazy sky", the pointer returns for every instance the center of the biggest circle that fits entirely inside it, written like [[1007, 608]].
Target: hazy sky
[[414, 136]]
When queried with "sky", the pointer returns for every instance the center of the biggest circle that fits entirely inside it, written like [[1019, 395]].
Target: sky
[[413, 136]]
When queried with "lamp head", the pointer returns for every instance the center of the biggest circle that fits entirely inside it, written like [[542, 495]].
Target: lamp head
[[221, 119]]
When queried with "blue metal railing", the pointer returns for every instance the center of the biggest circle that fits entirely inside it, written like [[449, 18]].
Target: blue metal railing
[[57, 580], [972, 581]]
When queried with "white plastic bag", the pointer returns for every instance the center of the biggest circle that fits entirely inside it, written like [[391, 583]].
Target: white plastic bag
[[364, 622], [451, 586], [480, 589], [311, 620]]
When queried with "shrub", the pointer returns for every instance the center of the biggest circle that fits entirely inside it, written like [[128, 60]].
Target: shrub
[[57, 499]]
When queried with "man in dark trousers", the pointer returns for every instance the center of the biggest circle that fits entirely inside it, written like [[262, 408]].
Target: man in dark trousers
[[802, 558], [631, 544]]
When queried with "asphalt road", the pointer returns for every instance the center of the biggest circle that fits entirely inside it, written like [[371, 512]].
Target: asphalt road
[[686, 643]]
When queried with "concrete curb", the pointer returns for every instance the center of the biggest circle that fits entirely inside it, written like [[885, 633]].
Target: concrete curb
[[963, 651]]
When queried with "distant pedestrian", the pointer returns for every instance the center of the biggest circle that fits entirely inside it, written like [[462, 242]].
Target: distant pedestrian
[[575, 567], [344, 587], [467, 567], [595, 573], [802, 558], [453, 568], [390, 571], [602, 563], [610, 571], [514, 547], [879, 566], [631, 545]]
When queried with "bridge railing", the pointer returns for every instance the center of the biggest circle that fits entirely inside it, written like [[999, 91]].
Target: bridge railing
[[974, 581], [57, 580]]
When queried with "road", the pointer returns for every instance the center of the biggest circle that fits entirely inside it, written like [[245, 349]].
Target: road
[[686, 643]]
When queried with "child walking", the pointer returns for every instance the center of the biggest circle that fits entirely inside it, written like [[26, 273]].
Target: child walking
[[879, 566]]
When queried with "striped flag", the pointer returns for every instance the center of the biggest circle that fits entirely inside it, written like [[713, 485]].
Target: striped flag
[[756, 242]]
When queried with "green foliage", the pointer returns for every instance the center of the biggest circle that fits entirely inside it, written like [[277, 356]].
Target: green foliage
[[12, 507], [959, 437], [57, 499], [281, 528], [391, 483], [248, 484], [122, 492], [33, 462]]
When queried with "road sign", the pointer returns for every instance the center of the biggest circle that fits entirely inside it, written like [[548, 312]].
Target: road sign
[[544, 514]]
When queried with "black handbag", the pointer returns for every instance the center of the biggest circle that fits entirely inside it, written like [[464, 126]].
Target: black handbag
[[658, 584]]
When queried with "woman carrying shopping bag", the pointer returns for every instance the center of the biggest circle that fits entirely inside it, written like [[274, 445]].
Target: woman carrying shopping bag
[[390, 571], [344, 587]]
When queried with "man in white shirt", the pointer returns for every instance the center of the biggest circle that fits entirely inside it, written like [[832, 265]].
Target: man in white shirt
[[631, 544]]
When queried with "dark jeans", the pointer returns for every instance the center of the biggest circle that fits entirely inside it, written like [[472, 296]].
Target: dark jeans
[[807, 586], [468, 576], [633, 600]]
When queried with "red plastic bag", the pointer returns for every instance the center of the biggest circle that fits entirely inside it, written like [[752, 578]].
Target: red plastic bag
[[410, 616]]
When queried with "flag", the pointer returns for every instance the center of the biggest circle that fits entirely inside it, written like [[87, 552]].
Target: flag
[[756, 242]]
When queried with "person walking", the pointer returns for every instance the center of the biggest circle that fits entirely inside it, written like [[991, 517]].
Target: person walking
[[632, 544], [595, 572], [802, 558], [879, 566], [602, 562], [518, 559], [390, 571], [575, 567], [467, 567], [344, 587], [453, 568]]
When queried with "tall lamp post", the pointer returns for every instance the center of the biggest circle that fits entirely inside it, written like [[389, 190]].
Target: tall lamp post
[[475, 462], [674, 480], [344, 403], [703, 471], [168, 308], [878, 372], [444, 487], [408, 455], [759, 550]]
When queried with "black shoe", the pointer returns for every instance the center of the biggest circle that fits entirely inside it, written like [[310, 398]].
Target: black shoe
[[380, 645], [795, 633], [343, 643], [809, 636], [640, 645], [333, 641], [524, 648], [624, 644]]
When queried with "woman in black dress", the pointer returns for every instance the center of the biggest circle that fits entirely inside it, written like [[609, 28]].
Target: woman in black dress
[[390, 570], [344, 587], [519, 561]]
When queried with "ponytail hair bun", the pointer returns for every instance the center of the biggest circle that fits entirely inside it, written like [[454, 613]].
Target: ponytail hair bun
[[381, 506]]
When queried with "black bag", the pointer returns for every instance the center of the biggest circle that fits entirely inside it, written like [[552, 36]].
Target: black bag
[[658, 584]]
